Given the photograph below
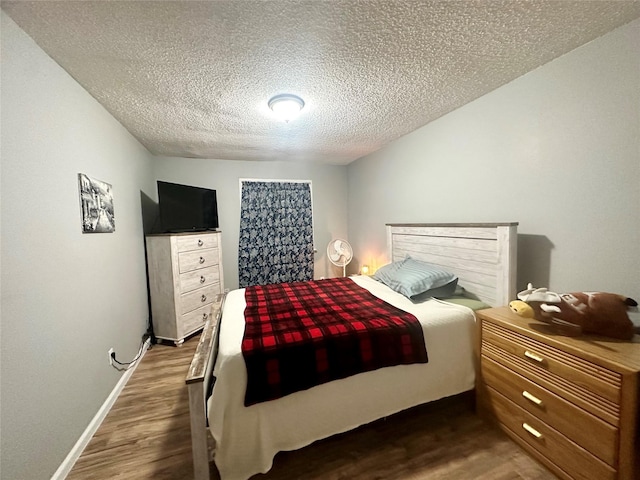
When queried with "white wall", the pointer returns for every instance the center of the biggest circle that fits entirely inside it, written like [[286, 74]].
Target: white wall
[[557, 150], [66, 297], [329, 191]]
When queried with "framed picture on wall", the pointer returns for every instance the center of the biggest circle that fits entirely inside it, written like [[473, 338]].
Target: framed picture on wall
[[96, 202]]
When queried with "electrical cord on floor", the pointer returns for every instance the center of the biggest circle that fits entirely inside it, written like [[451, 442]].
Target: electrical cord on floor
[[123, 366]]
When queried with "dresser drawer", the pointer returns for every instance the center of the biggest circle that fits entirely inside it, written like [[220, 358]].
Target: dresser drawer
[[597, 436], [198, 298], [588, 386], [195, 319], [187, 243], [567, 455], [189, 261], [199, 278], [594, 388]]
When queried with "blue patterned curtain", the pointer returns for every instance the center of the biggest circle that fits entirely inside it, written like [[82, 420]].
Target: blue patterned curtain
[[276, 233]]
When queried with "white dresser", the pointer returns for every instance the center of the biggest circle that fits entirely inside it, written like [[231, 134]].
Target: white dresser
[[185, 277]]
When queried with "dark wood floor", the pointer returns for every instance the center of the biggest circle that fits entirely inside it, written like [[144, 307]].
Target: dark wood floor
[[146, 436]]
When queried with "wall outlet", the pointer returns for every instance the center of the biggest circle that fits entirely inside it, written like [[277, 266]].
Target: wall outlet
[[112, 353]]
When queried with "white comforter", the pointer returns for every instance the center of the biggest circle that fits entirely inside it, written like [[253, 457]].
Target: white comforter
[[247, 438]]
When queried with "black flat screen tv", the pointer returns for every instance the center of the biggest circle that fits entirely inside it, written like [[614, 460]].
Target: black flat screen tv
[[184, 208]]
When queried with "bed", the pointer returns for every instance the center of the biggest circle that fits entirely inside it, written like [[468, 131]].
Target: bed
[[244, 440]]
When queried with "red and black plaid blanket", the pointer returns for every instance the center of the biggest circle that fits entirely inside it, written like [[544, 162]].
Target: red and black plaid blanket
[[302, 334]]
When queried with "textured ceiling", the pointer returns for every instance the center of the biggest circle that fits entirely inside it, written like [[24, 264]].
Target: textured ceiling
[[192, 78]]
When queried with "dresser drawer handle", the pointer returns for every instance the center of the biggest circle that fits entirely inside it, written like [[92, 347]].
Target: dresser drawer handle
[[205, 316], [202, 260], [532, 398], [532, 430], [533, 356], [200, 243], [203, 298], [202, 279]]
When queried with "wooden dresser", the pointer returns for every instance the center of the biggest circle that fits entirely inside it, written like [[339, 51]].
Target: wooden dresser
[[571, 402], [185, 277]]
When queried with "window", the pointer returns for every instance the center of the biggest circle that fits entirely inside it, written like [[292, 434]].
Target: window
[[276, 232]]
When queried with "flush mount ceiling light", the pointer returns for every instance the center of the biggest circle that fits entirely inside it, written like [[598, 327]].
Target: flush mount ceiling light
[[286, 107]]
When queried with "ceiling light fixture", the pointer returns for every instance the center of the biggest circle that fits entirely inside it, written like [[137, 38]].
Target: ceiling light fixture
[[286, 107]]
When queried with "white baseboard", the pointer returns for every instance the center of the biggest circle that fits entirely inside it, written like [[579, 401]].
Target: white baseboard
[[68, 463]]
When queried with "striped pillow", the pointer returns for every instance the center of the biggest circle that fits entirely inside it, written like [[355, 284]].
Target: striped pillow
[[412, 277]]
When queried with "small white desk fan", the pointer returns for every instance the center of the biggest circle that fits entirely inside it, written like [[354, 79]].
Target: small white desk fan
[[340, 254]]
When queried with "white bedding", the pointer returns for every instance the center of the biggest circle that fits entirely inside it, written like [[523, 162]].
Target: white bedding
[[248, 438]]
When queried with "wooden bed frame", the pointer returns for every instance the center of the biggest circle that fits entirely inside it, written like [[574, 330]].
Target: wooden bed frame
[[482, 255]]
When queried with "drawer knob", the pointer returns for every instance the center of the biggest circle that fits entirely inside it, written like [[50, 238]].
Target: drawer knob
[[203, 298], [205, 316], [533, 356], [532, 398], [202, 279], [532, 430], [201, 259], [200, 243]]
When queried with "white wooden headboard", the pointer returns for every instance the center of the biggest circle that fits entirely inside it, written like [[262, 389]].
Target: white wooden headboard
[[482, 255]]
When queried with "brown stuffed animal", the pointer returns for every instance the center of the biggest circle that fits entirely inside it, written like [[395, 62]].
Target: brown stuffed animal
[[574, 313]]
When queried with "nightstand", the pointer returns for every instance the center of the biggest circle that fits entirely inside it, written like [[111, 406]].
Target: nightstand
[[571, 402]]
